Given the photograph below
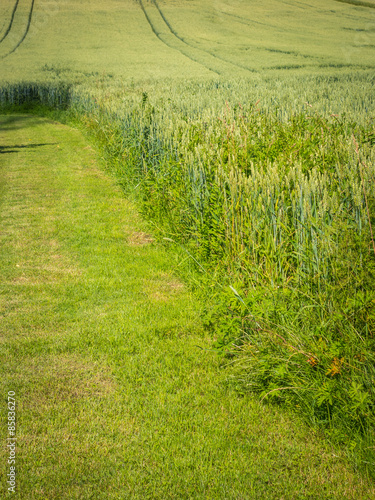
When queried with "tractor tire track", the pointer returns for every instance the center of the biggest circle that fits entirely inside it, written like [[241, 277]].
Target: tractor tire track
[[11, 21], [198, 48], [358, 3], [5, 12], [157, 34], [26, 31]]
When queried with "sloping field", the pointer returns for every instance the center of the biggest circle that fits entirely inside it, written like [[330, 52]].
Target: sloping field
[[156, 38]]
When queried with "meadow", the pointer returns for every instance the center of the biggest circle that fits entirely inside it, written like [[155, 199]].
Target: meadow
[[245, 133]]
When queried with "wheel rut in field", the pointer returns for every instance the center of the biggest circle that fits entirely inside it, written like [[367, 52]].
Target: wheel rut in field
[[164, 31], [162, 38], [25, 32], [210, 53], [358, 3], [7, 31]]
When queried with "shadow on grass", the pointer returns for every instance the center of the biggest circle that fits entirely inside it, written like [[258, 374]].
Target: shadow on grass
[[16, 147], [17, 121]]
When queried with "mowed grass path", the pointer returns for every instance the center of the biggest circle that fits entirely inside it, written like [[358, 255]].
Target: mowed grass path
[[99, 342]]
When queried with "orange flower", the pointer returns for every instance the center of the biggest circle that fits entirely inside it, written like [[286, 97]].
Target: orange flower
[[312, 361], [335, 368]]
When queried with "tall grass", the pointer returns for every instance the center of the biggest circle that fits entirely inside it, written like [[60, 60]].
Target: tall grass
[[29, 95], [275, 199]]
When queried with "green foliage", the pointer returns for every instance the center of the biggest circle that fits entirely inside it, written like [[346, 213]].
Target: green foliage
[[312, 351], [278, 208]]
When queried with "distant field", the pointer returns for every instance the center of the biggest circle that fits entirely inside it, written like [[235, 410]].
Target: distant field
[[200, 38]]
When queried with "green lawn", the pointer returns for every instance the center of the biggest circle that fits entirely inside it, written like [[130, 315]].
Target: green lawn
[[102, 344]]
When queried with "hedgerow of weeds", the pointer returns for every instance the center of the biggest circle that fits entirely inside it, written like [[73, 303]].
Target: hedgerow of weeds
[[280, 210]]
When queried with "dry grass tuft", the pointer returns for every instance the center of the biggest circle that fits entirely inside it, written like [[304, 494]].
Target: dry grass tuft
[[163, 289], [138, 239], [68, 378]]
